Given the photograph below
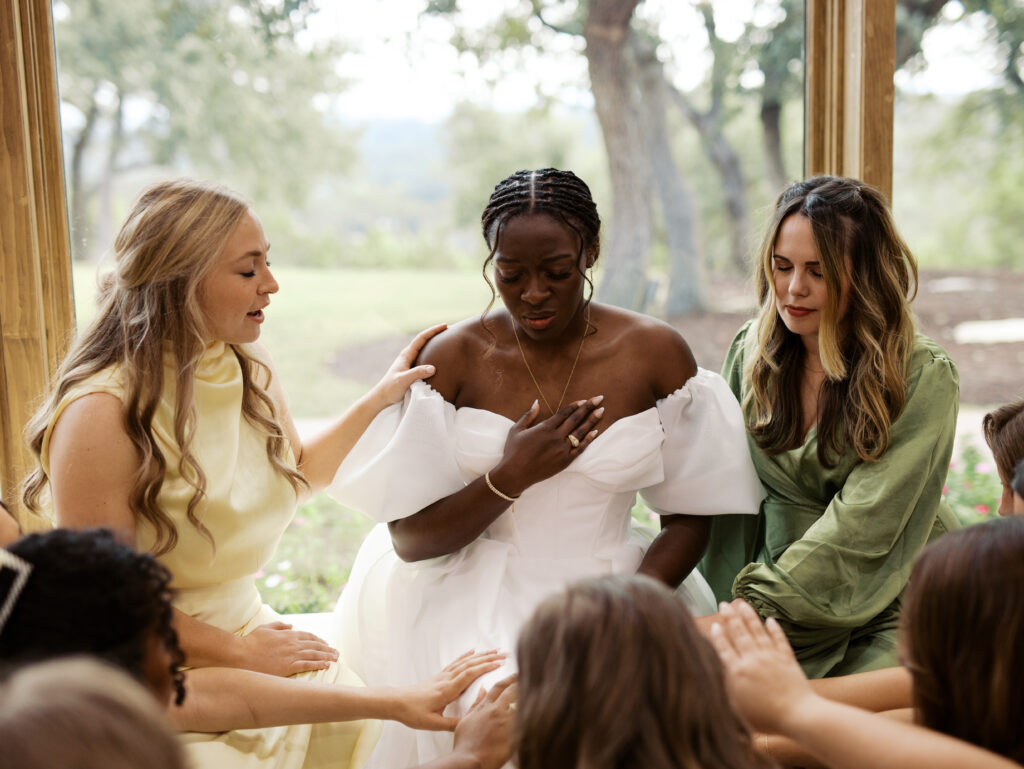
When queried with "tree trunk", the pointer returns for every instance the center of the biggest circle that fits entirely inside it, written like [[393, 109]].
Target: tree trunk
[[685, 289], [79, 201], [717, 146], [105, 219], [771, 115], [628, 244]]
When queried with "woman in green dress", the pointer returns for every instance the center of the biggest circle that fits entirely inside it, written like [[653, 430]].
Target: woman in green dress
[[851, 416]]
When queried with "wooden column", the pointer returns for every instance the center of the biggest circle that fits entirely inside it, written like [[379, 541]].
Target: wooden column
[[850, 63], [36, 302]]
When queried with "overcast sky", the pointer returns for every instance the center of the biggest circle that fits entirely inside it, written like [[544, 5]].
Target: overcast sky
[[403, 67]]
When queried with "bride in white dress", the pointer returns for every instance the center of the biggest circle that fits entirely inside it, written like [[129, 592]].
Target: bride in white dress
[[488, 509]]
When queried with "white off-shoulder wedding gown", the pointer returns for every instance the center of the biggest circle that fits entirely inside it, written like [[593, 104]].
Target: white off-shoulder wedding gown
[[402, 622]]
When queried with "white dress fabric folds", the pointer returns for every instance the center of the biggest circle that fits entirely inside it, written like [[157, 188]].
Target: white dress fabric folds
[[402, 622]]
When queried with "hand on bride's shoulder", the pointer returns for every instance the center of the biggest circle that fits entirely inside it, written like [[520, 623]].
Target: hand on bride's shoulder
[[450, 353]]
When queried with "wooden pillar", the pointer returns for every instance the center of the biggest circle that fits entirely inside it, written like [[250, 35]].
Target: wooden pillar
[[36, 301], [850, 63]]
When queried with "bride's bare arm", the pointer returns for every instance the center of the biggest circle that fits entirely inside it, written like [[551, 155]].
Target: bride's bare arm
[[533, 451], [677, 549]]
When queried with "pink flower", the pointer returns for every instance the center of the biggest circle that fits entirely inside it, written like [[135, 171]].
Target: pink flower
[[945, 490], [982, 509], [300, 521], [983, 467], [653, 517], [259, 574]]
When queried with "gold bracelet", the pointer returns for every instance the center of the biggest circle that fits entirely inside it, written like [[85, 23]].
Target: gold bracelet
[[491, 486]]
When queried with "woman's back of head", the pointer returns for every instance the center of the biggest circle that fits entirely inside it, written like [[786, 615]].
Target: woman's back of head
[[614, 673], [88, 593], [82, 714], [961, 631], [1003, 428]]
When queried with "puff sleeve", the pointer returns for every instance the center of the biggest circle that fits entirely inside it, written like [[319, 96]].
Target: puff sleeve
[[707, 466], [404, 461]]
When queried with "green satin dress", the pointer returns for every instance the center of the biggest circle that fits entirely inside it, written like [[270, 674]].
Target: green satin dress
[[832, 548]]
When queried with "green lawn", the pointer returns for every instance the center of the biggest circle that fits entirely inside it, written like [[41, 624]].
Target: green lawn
[[319, 312]]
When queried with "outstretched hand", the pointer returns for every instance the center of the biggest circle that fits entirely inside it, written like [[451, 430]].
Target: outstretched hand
[[485, 732], [537, 450], [421, 706], [392, 386], [766, 683], [276, 649]]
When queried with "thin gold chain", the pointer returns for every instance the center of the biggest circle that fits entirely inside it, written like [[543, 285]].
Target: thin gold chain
[[572, 371]]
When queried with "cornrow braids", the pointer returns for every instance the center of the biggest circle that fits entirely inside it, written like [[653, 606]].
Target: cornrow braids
[[559, 194]]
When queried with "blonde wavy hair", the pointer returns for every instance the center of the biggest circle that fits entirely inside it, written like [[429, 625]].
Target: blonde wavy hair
[[168, 244], [865, 353]]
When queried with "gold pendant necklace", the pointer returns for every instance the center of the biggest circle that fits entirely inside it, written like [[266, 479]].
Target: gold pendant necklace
[[572, 371]]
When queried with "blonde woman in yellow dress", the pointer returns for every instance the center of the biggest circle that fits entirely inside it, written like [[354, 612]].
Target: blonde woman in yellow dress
[[166, 422]]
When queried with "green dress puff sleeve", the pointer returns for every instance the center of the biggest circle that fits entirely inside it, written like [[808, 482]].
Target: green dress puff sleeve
[[832, 549]]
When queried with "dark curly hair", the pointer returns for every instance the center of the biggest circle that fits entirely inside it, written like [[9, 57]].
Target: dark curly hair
[[88, 593]]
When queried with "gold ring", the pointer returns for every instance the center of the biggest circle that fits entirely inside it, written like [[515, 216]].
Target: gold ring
[[574, 441]]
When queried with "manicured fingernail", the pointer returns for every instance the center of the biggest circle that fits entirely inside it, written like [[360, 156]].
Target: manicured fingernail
[[592, 434], [596, 400], [599, 412], [430, 370]]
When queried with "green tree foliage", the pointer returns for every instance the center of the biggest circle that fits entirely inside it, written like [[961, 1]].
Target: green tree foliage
[[227, 89], [485, 146]]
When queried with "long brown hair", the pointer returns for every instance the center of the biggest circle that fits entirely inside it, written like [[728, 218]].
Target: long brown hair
[[865, 354], [961, 630], [149, 306], [614, 673]]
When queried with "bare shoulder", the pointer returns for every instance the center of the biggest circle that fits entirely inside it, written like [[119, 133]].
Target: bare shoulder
[[95, 415], [656, 348], [91, 429], [93, 463], [452, 353]]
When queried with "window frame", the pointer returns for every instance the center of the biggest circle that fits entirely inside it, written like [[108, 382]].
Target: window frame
[[849, 92]]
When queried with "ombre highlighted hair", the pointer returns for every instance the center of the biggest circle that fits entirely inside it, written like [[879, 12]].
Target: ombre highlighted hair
[[149, 306], [865, 353]]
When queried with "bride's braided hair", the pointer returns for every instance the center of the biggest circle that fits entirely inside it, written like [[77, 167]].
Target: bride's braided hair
[[559, 194]]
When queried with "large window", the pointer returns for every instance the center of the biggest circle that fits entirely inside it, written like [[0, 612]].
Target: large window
[[369, 144]]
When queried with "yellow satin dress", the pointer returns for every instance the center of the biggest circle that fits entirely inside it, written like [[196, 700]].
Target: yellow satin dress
[[248, 505]]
